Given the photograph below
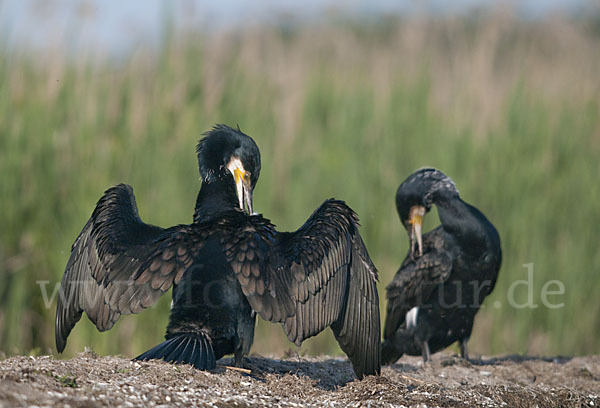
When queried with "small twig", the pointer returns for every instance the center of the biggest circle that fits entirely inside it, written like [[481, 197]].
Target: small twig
[[241, 370], [412, 379]]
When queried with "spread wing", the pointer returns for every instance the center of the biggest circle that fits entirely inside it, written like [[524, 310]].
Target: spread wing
[[319, 276], [415, 281], [119, 265]]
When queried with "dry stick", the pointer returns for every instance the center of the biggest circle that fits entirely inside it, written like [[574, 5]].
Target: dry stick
[[242, 370], [412, 378]]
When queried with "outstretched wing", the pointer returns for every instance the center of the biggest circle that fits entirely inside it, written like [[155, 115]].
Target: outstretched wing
[[414, 283], [319, 276], [119, 265]]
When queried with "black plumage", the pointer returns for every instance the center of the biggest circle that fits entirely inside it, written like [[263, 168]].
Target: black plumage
[[225, 267], [448, 272]]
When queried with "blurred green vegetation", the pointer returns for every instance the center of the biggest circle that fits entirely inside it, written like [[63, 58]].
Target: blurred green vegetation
[[509, 109]]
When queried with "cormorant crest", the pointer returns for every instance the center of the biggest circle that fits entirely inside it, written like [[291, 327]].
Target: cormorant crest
[[434, 177]]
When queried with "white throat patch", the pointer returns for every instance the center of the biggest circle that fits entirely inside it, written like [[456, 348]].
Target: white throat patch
[[411, 318], [235, 163]]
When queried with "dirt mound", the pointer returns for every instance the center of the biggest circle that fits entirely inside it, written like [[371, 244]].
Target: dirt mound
[[89, 381]]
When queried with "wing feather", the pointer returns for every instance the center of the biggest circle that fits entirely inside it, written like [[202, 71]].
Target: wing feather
[[319, 276], [119, 265]]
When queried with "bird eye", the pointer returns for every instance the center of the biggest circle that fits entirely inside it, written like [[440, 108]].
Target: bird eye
[[428, 200], [247, 175]]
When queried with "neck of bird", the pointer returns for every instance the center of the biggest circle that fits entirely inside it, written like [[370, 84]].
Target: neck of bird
[[215, 197], [458, 219]]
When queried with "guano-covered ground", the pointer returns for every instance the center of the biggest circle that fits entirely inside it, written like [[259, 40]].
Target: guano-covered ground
[[90, 380]]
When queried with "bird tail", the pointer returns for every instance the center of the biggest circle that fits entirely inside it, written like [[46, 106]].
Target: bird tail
[[389, 352], [184, 348]]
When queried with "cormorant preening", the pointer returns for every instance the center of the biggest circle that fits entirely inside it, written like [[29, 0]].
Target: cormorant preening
[[433, 299], [225, 267]]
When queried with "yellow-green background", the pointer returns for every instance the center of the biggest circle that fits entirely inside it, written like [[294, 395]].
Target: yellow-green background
[[509, 108]]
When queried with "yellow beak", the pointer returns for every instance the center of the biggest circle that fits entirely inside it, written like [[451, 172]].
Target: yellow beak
[[243, 188], [415, 219]]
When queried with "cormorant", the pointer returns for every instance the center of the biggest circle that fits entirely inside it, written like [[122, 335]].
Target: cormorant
[[433, 299], [225, 267]]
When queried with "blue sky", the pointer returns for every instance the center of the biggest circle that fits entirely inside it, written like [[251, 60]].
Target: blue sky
[[119, 25]]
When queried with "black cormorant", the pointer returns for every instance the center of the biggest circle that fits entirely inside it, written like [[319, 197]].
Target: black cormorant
[[433, 299], [225, 267]]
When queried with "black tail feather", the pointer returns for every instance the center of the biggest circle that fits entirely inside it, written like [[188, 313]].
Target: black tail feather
[[210, 353], [177, 352], [184, 348], [188, 352]]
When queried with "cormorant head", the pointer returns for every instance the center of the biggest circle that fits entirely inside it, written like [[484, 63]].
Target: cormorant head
[[225, 152], [414, 199]]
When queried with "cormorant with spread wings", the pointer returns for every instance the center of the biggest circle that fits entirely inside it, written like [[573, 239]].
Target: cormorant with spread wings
[[433, 299], [225, 267]]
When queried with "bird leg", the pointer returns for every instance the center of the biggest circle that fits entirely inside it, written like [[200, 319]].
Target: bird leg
[[239, 358], [463, 349], [425, 351]]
